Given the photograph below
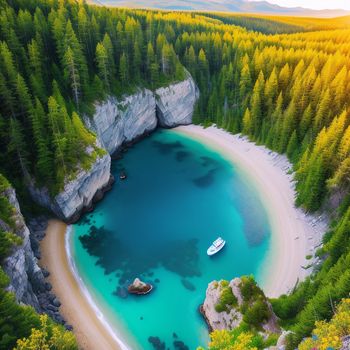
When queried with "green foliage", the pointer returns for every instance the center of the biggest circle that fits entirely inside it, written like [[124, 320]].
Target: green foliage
[[257, 313], [227, 298]]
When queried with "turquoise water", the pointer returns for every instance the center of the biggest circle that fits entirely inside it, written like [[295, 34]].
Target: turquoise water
[[157, 225]]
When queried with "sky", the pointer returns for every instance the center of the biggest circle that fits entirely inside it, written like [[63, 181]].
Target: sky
[[314, 4]]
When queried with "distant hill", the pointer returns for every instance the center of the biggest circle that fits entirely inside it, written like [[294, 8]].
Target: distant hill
[[240, 6]]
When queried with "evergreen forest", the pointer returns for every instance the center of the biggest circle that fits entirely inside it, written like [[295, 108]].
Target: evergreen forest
[[283, 82]]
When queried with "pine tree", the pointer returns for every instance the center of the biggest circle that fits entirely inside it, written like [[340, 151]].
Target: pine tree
[[123, 69], [103, 66], [71, 73]]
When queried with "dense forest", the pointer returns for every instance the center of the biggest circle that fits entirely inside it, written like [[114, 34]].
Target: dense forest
[[287, 91]]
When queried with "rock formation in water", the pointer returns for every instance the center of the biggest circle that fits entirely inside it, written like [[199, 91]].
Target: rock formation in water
[[138, 287], [227, 304], [116, 122], [27, 279]]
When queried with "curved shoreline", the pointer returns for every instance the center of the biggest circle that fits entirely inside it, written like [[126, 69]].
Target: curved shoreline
[[291, 233], [294, 233], [78, 307]]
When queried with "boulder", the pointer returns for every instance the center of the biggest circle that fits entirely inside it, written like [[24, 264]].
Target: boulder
[[138, 287]]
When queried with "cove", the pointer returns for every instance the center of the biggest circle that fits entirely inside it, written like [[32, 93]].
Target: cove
[[157, 225]]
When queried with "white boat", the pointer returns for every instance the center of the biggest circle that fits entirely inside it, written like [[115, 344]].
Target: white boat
[[217, 245]]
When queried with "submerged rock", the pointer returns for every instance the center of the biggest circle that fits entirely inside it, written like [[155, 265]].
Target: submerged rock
[[188, 285], [138, 287], [157, 343], [180, 345]]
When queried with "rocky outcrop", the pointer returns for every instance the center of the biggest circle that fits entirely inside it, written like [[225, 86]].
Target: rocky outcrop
[[118, 121], [226, 305], [78, 194], [175, 103], [27, 279]]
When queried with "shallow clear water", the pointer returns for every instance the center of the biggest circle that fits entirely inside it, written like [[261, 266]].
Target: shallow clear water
[[157, 225]]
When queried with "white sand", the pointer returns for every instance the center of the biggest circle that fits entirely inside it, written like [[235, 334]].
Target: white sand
[[294, 234]]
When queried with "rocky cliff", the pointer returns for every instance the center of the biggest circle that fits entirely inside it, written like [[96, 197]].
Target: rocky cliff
[[116, 121], [227, 304], [175, 103], [78, 194], [21, 266], [27, 279]]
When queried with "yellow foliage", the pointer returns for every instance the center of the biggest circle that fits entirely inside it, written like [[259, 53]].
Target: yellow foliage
[[47, 337], [329, 334], [225, 340]]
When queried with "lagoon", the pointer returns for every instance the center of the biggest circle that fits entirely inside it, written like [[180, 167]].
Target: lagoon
[[179, 196]]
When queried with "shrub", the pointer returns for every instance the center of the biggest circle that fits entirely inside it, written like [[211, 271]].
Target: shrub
[[227, 299]]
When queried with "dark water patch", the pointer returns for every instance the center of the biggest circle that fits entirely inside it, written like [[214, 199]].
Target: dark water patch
[[180, 345], [188, 285], [208, 161], [182, 155], [175, 335], [205, 180], [183, 258], [254, 218], [179, 256], [84, 220], [121, 292], [157, 280], [156, 343], [165, 148]]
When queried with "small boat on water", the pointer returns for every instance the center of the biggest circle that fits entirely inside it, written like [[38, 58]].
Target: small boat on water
[[122, 175], [217, 245]]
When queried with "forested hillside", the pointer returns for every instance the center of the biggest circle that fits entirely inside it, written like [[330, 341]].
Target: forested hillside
[[280, 24], [287, 91]]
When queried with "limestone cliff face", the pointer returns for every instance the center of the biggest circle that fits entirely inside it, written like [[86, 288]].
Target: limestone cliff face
[[79, 193], [116, 122], [21, 266], [232, 316], [175, 103]]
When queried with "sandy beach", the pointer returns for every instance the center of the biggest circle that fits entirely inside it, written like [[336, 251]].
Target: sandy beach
[[294, 234], [88, 328]]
